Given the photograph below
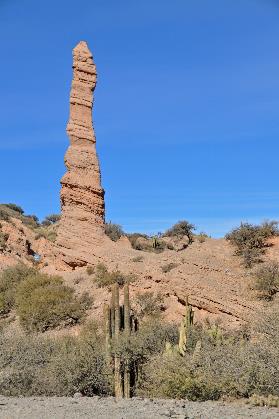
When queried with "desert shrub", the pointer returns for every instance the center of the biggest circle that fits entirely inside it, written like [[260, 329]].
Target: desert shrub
[[201, 237], [15, 208], [168, 267], [22, 361], [266, 280], [113, 231], [44, 302], [48, 234], [135, 242], [149, 304], [4, 214], [148, 341], [236, 368], [90, 270], [251, 240], [181, 229], [3, 240], [53, 366], [137, 259], [77, 365], [46, 223], [53, 218], [104, 278], [270, 400], [9, 280]]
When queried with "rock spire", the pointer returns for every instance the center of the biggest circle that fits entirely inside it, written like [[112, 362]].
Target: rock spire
[[82, 196]]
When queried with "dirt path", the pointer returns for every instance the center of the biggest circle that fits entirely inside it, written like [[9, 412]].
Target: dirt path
[[109, 408]]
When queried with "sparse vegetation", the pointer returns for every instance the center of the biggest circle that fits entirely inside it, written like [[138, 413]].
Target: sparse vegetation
[[47, 233], [3, 239], [51, 219], [8, 211], [104, 278], [149, 304], [137, 259], [137, 242], [251, 240], [113, 231], [168, 267], [15, 207], [201, 237], [146, 243], [180, 230], [90, 270], [266, 280]]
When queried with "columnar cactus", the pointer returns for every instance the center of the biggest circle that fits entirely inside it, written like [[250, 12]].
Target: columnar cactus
[[185, 326], [118, 319]]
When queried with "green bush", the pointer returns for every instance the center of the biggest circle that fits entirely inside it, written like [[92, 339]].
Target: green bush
[[266, 280], [113, 231], [44, 302], [181, 229], [104, 278], [251, 240], [9, 280]]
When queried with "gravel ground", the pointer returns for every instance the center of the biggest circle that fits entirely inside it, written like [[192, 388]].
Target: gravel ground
[[109, 408]]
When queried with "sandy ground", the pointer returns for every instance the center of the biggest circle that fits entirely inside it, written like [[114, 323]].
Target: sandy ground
[[109, 408]]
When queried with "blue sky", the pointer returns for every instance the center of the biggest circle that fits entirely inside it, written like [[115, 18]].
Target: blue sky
[[186, 107]]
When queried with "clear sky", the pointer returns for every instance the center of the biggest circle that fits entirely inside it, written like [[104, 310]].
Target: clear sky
[[186, 107]]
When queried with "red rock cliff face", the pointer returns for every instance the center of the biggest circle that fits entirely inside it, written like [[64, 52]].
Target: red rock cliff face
[[82, 196]]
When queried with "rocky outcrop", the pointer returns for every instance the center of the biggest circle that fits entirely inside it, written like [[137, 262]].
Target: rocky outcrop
[[82, 196]]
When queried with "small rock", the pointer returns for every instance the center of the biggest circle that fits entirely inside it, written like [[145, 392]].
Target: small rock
[[77, 395]]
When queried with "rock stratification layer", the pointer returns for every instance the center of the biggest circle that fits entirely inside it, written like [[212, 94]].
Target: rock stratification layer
[[82, 196]]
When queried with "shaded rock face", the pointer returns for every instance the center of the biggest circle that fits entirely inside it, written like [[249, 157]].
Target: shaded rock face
[[82, 196]]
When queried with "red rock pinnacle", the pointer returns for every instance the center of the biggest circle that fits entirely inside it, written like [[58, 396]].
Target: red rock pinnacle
[[82, 196]]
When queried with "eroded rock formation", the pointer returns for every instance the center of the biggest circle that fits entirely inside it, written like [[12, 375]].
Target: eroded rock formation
[[82, 196]]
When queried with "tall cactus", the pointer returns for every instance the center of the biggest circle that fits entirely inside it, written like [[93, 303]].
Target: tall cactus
[[119, 319], [184, 329]]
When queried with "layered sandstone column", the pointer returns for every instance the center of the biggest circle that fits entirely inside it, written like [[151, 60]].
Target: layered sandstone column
[[82, 196]]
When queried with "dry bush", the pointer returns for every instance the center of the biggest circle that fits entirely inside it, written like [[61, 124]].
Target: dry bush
[[44, 302], [114, 231], [32, 366], [232, 366], [201, 237], [251, 240], [270, 401], [47, 233], [104, 278], [149, 304], [3, 240], [266, 280], [90, 270], [137, 259], [168, 267], [15, 207]]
